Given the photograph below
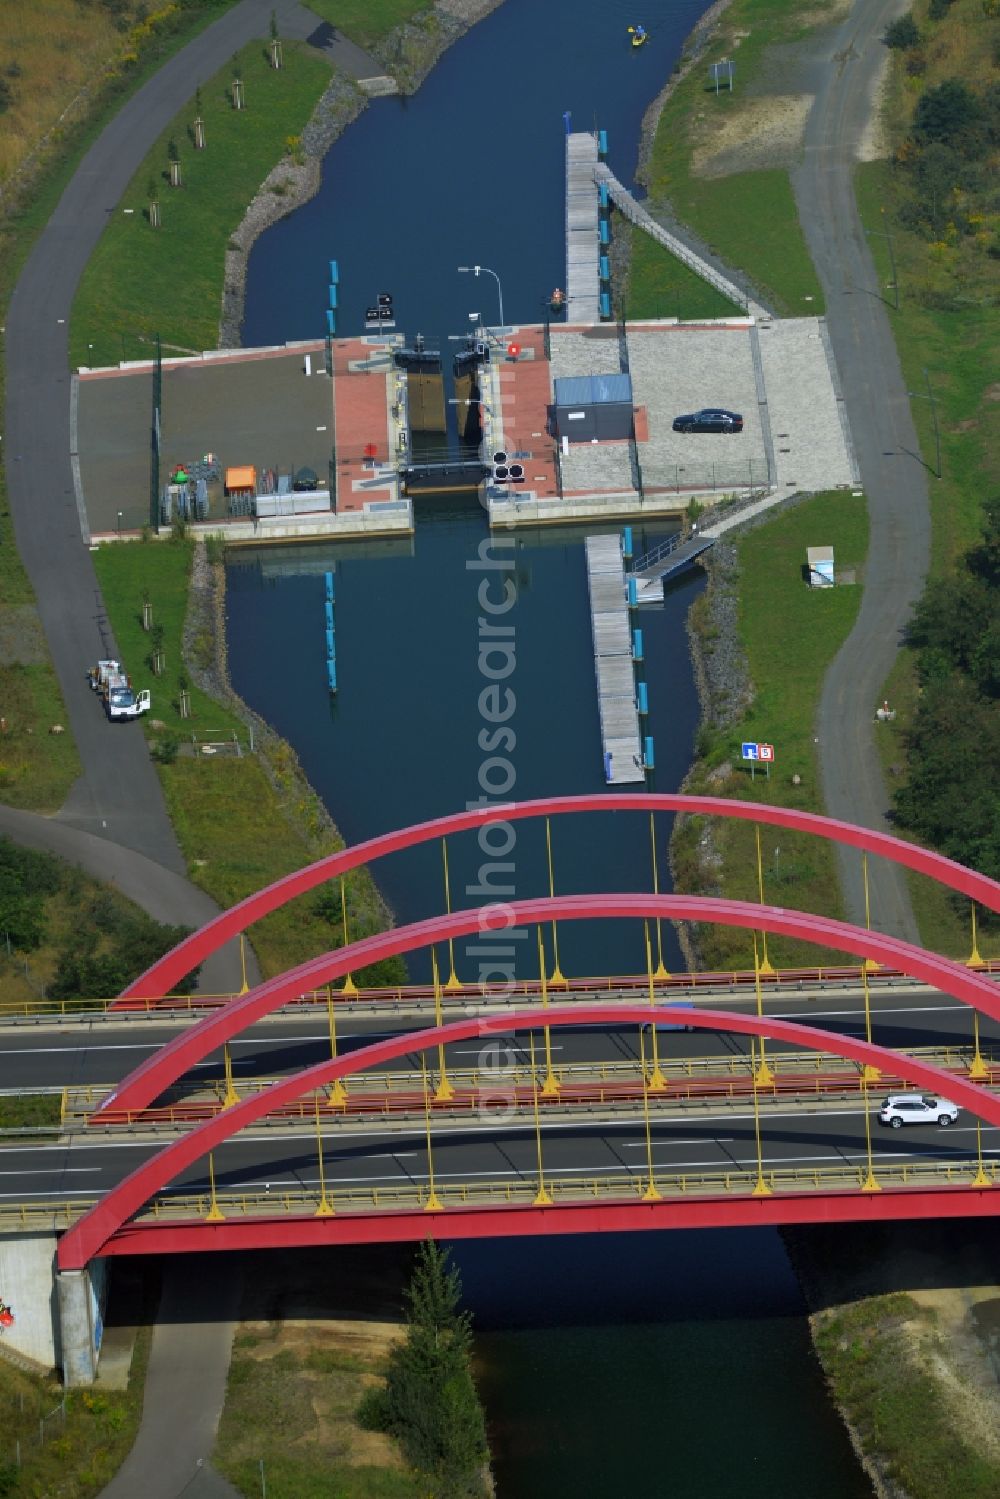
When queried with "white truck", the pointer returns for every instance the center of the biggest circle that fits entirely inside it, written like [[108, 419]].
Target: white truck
[[120, 701]]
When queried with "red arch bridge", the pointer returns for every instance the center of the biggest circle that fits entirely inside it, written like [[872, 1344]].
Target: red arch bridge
[[181, 1198]]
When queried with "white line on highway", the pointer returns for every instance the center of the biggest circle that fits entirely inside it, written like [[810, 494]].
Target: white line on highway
[[53, 1171]]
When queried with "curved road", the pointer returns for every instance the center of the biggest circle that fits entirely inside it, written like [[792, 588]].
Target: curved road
[[114, 822], [885, 441]]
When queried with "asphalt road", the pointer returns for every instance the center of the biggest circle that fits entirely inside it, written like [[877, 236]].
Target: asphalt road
[[885, 441], [707, 1138], [118, 797], [51, 1056]]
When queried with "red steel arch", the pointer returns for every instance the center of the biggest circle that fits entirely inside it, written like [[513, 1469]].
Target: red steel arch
[[86, 1238], [168, 970], [163, 1068]]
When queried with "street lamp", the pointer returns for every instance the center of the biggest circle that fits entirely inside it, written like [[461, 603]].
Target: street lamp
[[919, 395], [477, 270], [119, 525]]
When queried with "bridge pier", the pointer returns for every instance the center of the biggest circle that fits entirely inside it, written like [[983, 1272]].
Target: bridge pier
[[81, 1295]]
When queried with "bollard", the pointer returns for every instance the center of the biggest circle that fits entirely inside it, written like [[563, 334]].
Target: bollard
[[333, 296], [331, 644], [602, 143], [607, 765], [328, 579], [334, 273], [331, 674], [627, 542], [636, 645], [329, 614], [604, 268], [649, 762], [633, 601], [331, 321], [643, 699]]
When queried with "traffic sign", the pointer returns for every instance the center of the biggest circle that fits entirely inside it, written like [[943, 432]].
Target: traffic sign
[[749, 751], [752, 751], [765, 752]]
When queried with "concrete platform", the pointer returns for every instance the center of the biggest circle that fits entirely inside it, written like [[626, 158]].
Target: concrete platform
[[247, 406]]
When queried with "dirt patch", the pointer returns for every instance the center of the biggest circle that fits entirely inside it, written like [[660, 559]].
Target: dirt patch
[[21, 638], [874, 142], [765, 132], [954, 1349]]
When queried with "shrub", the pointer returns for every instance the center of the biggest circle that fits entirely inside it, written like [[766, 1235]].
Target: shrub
[[901, 33], [950, 113]]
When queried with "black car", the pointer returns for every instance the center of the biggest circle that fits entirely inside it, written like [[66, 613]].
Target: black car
[[712, 419]]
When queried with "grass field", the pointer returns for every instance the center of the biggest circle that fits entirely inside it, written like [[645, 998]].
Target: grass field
[[947, 331], [659, 285], [884, 1361], [82, 1451], [368, 21], [790, 633], [748, 217], [307, 1349], [141, 281], [239, 827]]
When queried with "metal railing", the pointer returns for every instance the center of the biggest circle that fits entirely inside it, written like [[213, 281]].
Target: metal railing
[[522, 1191], [808, 1076], [605, 987]]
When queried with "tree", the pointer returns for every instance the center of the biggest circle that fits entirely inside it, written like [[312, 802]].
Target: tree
[[950, 112], [901, 33], [430, 1402]]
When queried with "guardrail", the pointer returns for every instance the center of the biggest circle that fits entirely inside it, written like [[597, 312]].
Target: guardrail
[[606, 986], [520, 1191], [803, 1075]]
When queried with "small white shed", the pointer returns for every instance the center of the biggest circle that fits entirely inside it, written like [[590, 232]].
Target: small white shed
[[820, 564]]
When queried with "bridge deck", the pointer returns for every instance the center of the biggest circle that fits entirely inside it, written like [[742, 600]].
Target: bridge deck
[[583, 286], [613, 661]]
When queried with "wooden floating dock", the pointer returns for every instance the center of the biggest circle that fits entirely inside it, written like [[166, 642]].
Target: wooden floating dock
[[613, 661], [583, 285]]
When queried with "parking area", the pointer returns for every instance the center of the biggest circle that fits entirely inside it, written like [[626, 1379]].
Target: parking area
[[681, 368], [777, 374]]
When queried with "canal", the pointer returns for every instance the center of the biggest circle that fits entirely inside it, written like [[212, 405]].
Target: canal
[[609, 1366]]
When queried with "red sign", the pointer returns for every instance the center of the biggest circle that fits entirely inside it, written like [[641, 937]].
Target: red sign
[[765, 752], [371, 451], [513, 350]]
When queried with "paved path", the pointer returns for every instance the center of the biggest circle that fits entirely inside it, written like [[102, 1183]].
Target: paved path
[[185, 1384], [153, 887], [118, 797], [886, 449]]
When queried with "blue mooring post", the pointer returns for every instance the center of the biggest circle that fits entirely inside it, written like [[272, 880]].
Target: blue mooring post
[[627, 542], [334, 273], [328, 577], [603, 201], [331, 645], [331, 322], [329, 614], [633, 597], [604, 268], [331, 674], [643, 699], [602, 143], [649, 762], [603, 233], [607, 765], [333, 295], [637, 645], [568, 122]]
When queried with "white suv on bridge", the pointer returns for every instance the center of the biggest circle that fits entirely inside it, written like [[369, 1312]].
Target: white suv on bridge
[[917, 1108]]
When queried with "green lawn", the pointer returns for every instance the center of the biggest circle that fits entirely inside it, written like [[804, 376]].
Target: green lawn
[[239, 827], [957, 347], [368, 21], [790, 633], [660, 285], [903, 1407], [81, 1453], [141, 281], [747, 217]]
